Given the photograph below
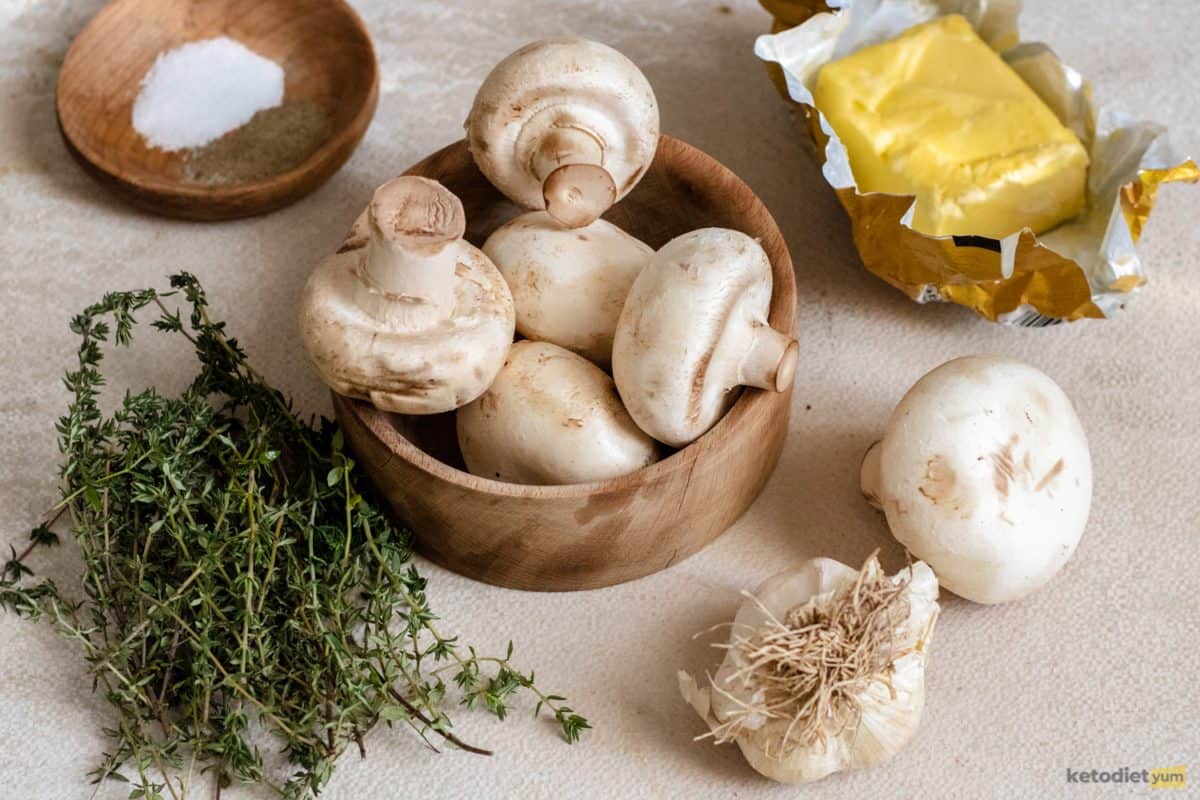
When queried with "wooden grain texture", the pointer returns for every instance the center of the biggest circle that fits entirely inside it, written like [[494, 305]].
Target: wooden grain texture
[[322, 46], [557, 538]]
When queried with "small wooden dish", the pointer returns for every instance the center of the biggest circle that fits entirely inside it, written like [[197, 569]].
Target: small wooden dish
[[322, 46], [556, 538]]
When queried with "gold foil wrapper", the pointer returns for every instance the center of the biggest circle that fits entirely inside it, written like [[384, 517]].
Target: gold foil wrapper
[[1084, 268]]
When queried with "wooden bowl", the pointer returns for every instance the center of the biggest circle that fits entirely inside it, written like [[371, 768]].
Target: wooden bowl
[[584, 536], [322, 46]]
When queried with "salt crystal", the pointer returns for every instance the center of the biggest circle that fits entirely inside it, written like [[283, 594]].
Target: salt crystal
[[202, 90]]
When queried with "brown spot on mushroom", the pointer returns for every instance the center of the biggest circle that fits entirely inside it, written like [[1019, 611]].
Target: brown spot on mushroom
[[940, 479], [633, 179], [697, 387], [1004, 467], [358, 236], [572, 422], [1049, 477], [582, 237], [940, 486], [529, 276]]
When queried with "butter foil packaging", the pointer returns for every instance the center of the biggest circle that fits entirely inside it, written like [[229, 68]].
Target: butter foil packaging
[[1084, 268]]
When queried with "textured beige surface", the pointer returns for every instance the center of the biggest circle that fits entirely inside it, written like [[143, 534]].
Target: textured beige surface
[[1097, 671]]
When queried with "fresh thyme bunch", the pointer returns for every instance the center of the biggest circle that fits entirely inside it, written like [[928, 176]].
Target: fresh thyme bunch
[[237, 578]]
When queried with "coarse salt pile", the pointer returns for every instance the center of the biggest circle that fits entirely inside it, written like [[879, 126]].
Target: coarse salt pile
[[202, 90]]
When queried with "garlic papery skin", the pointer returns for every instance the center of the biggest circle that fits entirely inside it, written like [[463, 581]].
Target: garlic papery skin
[[824, 670]]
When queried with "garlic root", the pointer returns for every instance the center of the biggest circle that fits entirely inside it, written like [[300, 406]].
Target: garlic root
[[824, 669]]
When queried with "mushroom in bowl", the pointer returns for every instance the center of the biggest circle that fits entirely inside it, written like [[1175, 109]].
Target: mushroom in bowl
[[407, 314], [569, 286], [551, 418], [567, 125], [693, 329]]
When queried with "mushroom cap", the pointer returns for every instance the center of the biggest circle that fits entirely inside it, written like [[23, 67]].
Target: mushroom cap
[[551, 417], [406, 370], [985, 474], [556, 84], [688, 322], [569, 286]]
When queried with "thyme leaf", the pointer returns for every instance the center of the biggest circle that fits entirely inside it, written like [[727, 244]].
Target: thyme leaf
[[238, 577]]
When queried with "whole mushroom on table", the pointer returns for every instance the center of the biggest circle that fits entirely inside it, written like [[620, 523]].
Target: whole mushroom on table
[[984, 472]]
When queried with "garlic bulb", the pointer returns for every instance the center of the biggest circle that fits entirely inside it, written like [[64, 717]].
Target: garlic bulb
[[824, 670]]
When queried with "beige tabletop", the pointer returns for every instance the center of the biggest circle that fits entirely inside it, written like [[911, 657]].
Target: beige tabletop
[[1099, 670]]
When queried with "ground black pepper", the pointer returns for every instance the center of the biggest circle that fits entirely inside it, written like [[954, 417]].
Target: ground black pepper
[[272, 142]]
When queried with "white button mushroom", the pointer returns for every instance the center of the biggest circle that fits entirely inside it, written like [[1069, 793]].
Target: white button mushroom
[[568, 285], [984, 473], [568, 125], [694, 328], [551, 417], [407, 314], [824, 669]]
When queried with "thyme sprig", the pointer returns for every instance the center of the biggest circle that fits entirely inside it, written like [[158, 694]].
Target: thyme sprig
[[237, 578]]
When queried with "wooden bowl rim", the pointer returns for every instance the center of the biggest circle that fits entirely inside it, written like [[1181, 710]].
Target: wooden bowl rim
[[784, 286], [273, 185]]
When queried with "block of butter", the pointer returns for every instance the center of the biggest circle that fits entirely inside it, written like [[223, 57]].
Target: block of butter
[[937, 114]]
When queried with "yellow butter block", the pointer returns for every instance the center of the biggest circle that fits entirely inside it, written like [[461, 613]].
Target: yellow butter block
[[937, 114]]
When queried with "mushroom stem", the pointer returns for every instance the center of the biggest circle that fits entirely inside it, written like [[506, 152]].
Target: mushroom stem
[[770, 361], [560, 146], [408, 275], [576, 187], [870, 476]]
